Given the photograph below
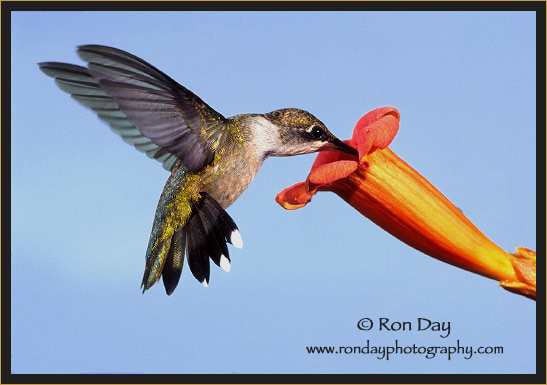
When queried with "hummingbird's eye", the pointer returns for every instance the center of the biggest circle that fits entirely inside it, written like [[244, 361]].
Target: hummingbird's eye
[[317, 132]]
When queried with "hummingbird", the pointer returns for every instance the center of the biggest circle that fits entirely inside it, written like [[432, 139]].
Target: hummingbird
[[212, 159]]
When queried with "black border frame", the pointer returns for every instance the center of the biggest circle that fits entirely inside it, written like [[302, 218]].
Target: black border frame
[[9, 6]]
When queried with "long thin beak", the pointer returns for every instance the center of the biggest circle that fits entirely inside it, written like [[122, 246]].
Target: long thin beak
[[343, 147]]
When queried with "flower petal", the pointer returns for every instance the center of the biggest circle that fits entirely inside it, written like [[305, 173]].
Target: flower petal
[[331, 172], [294, 197], [524, 262], [375, 129], [325, 157]]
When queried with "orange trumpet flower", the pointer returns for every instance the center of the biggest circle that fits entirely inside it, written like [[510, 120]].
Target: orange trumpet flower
[[389, 192]]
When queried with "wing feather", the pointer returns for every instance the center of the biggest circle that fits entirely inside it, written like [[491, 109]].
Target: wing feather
[[77, 81], [143, 105], [149, 98]]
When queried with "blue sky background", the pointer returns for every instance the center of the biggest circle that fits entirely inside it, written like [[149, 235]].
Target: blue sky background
[[83, 201]]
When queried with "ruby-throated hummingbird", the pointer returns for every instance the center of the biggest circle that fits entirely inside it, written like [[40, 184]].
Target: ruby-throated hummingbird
[[212, 159]]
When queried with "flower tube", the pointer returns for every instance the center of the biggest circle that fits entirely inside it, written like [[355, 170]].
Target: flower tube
[[389, 192]]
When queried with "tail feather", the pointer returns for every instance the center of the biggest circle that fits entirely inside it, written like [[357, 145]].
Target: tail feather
[[155, 265], [175, 259], [197, 250], [204, 235], [211, 227], [215, 238], [226, 224]]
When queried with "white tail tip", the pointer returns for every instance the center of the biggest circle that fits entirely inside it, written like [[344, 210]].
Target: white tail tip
[[235, 239], [225, 263], [204, 283]]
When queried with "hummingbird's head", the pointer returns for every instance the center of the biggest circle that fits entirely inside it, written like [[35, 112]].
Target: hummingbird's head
[[299, 132]]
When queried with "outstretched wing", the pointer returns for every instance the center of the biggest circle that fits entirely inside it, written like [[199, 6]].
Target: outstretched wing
[[77, 81], [146, 107]]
